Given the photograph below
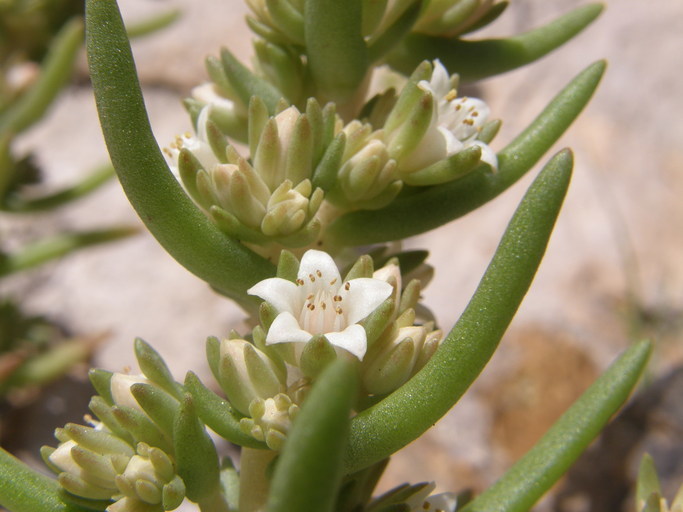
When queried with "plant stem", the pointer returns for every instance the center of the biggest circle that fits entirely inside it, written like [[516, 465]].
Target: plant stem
[[253, 481]]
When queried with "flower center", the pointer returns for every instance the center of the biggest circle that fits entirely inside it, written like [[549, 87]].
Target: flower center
[[323, 310]]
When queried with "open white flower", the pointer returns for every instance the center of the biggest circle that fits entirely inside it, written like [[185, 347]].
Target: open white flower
[[321, 303], [454, 126]]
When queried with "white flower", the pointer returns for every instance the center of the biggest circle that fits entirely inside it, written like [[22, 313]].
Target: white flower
[[454, 126], [321, 303], [120, 385], [422, 502]]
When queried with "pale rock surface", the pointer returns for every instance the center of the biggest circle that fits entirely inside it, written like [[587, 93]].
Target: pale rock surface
[[622, 213]]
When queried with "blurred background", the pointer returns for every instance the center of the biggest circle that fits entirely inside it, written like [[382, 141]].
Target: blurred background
[[612, 274]]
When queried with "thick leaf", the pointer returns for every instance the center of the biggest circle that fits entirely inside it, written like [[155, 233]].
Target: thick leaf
[[57, 246], [431, 207], [55, 72], [196, 457], [474, 60], [218, 414], [408, 412], [25, 490], [523, 484], [182, 229], [336, 52], [16, 203], [309, 472]]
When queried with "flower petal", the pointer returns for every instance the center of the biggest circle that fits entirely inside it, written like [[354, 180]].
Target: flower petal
[[318, 261], [352, 339], [286, 329], [488, 156], [282, 294], [446, 501], [364, 295]]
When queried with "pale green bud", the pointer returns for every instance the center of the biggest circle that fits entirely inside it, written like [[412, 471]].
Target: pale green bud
[[270, 420], [287, 209], [150, 478], [430, 124], [121, 394], [88, 460], [399, 356], [245, 374]]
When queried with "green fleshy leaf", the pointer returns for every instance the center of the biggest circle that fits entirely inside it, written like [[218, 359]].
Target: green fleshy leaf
[[336, 51], [55, 73], [157, 404], [195, 454], [431, 207], [181, 228], [453, 167], [26, 490], [16, 203], [59, 245], [153, 24], [309, 471], [648, 481], [474, 60], [142, 428], [101, 381], [525, 482], [246, 84], [409, 411], [218, 414], [154, 368], [287, 266], [394, 34]]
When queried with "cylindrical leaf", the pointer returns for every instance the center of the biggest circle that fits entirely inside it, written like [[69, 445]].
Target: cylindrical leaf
[[434, 206], [523, 484], [184, 231], [474, 60], [404, 415], [309, 472]]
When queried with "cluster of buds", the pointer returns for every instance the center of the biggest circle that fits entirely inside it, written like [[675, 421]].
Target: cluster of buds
[[283, 22], [271, 199], [310, 317], [452, 18], [300, 162], [434, 135], [124, 459]]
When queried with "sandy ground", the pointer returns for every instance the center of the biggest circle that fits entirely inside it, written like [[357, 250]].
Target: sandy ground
[[612, 271]]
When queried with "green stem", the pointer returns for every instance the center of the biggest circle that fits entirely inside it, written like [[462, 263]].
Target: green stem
[[57, 246], [215, 502], [254, 483]]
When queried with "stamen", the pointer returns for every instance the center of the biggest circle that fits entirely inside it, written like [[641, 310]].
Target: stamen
[[300, 282], [338, 310], [323, 305], [337, 298], [309, 297], [333, 281], [311, 307], [318, 273], [311, 277], [451, 95], [347, 286]]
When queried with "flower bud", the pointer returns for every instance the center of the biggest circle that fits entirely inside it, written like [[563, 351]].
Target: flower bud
[[270, 420], [245, 373], [120, 384], [149, 477], [88, 460], [429, 124]]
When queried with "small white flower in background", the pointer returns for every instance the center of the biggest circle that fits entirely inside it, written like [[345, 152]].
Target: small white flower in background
[[321, 303], [423, 502], [454, 126]]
